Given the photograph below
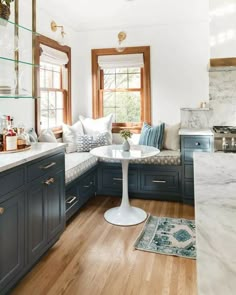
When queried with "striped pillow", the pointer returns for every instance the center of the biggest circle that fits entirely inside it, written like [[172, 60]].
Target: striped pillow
[[152, 136]]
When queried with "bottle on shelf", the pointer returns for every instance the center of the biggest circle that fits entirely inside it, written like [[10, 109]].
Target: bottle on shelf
[[21, 140], [11, 137]]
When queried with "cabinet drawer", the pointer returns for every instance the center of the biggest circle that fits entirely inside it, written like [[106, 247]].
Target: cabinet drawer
[[188, 171], [87, 184], [11, 180], [197, 142], [160, 181], [112, 179], [38, 169]]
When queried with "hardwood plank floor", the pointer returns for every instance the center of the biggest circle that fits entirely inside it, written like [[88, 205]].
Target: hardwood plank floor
[[95, 257]]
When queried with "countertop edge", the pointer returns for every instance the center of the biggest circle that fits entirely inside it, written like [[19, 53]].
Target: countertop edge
[[187, 131]]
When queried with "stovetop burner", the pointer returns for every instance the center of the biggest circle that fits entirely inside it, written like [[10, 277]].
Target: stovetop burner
[[225, 129]]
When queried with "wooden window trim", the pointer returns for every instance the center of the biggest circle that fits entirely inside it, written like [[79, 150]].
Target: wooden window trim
[[223, 62], [66, 49], [145, 96]]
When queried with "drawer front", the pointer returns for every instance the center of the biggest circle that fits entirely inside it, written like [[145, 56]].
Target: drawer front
[[112, 179], [160, 181], [188, 171], [10, 181], [87, 184], [49, 164], [188, 189], [197, 142]]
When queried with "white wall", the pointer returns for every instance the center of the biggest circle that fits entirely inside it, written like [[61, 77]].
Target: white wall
[[179, 58], [223, 28]]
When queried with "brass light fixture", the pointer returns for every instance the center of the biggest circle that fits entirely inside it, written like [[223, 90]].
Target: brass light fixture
[[54, 28], [121, 37]]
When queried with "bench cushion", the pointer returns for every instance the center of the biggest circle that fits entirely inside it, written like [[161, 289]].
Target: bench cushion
[[165, 157], [76, 164]]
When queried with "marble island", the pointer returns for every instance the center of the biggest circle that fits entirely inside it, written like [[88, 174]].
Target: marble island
[[10, 160], [215, 208]]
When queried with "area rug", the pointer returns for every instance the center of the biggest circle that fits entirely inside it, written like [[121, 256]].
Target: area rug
[[170, 236]]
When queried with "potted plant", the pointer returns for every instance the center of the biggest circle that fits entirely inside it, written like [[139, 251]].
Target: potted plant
[[126, 133], [5, 8]]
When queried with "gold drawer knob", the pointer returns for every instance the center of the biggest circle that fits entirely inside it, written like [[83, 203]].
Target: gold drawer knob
[[2, 210], [49, 181]]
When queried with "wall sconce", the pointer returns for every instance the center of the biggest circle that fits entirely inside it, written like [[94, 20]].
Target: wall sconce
[[54, 28], [121, 37]]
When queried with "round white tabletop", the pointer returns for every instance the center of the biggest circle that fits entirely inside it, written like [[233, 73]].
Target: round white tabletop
[[125, 215]]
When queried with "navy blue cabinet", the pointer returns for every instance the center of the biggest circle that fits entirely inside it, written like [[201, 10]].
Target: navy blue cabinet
[[80, 191], [32, 215], [189, 145], [144, 181], [12, 237]]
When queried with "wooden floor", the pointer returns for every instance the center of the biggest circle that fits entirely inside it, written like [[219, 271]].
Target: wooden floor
[[97, 258]]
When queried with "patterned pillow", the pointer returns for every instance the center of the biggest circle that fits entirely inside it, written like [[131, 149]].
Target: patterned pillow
[[152, 136], [86, 143]]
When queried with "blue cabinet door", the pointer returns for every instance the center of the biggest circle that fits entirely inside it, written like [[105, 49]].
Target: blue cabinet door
[[12, 237]]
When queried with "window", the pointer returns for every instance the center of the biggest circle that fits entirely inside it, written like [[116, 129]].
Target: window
[[122, 90], [53, 84], [52, 95]]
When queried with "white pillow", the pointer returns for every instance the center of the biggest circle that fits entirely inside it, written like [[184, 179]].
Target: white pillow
[[70, 134], [96, 126], [47, 136], [171, 137]]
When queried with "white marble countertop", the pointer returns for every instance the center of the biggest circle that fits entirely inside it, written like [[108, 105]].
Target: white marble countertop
[[10, 160], [185, 131], [215, 208]]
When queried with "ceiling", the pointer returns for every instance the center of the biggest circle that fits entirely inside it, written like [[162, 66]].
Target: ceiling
[[86, 15]]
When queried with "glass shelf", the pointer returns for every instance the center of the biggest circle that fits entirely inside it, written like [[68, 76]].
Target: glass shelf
[[13, 95], [4, 22], [18, 61]]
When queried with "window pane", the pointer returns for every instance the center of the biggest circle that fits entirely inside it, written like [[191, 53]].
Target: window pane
[[59, 100], [121, 71], [52, 118], [42, 78], [108, 111], [44, 119], [121, 81], [109, 81], [109, 71], [52, 100], [56, 80], [134, 81], [44, 100], [128, 107], [59, 117], [134, 70], [48, 79], [109, 99]]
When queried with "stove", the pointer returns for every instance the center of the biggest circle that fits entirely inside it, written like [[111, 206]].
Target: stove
[[225, 138]]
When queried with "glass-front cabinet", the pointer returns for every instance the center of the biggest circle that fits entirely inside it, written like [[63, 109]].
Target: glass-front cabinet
[[16, 58]]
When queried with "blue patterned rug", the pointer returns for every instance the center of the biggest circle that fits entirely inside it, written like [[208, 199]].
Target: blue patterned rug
[[170, 236]]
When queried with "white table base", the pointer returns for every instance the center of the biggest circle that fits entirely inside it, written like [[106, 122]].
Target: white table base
[[125, 215]]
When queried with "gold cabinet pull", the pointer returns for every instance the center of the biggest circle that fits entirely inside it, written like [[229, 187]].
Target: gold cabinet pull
[[2, 210], [159, 181], [49, 181], [117, 179]]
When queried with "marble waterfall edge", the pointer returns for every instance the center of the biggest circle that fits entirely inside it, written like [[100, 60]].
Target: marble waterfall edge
[[215, 207]]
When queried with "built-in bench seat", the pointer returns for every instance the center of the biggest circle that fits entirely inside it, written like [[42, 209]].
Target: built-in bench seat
[[165, 157], [77, 164]]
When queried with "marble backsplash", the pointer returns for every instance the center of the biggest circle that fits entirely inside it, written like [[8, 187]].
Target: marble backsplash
[[222, 102]]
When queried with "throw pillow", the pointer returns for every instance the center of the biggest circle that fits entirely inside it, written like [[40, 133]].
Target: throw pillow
[[171, 137], [70, 134], [86, 143], [32, 135], [96, 126], [47, 136], [152, 136]]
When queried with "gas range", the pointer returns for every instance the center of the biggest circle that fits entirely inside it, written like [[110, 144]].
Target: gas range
[[225, 138]]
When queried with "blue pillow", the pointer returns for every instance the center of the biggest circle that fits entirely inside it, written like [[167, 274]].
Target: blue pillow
[[152, 136]]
